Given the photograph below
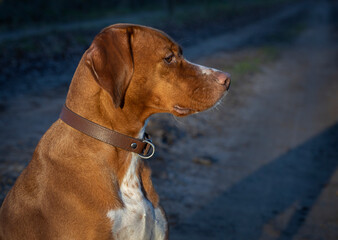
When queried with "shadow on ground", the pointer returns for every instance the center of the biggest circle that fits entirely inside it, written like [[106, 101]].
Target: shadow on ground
[[290, 185]]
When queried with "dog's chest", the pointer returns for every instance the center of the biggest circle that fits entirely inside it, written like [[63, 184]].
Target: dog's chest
[[138, 219]]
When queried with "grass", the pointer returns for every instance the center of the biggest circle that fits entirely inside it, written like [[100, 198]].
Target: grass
[[247, 66], [249, 62]]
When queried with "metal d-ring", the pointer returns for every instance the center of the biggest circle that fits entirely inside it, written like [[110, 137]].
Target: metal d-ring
[[152, 152]]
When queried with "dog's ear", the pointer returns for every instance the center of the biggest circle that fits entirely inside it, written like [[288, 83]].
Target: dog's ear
[[110, 59]]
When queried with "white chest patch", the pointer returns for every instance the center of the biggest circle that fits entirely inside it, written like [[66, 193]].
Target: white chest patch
[[138, 220]]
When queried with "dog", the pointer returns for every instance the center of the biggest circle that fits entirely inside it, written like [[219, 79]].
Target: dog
[[85, 181]]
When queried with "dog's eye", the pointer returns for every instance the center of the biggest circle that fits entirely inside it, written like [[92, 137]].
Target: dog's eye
[[169, 59]]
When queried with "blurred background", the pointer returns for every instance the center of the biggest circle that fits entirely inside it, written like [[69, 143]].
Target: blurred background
[[261, 165]]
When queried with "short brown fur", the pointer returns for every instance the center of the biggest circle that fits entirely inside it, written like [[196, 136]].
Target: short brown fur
[[72, 179]]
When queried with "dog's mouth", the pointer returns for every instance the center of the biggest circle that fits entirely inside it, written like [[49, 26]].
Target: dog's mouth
[[196, 106], [182, 110]]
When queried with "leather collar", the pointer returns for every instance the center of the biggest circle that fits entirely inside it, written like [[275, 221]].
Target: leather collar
[[144, 147]]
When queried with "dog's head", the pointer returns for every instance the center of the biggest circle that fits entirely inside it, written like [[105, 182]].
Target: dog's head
[[137, 64]]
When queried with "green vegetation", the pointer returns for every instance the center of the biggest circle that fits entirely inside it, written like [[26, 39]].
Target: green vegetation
[[269, 50], [246, 66], [250, 61]]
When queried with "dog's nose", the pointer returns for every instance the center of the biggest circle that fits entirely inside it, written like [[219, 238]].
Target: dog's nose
[[223, 78]]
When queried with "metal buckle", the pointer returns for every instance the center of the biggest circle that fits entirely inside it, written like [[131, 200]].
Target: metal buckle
[[149, 155]]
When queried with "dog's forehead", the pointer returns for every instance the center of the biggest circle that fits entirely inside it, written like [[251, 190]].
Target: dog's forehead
[[148, 33], [161, 37]]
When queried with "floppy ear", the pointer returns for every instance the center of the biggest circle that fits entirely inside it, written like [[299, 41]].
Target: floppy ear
[[111, 62]]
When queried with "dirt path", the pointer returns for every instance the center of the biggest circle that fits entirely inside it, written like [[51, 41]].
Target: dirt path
[[276, 172], [270, 148]]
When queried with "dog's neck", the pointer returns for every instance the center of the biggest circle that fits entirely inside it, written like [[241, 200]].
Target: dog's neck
[[89, 100]]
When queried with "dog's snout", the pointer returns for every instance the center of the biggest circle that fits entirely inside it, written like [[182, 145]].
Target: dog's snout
[[223, 78]]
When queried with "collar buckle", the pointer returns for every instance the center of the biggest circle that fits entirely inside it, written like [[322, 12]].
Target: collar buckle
[[149, 150]]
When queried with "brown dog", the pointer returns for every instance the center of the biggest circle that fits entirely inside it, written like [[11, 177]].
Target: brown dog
[[77, 187]]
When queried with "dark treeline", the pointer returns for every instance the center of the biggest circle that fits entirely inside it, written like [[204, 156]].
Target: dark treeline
[[14, 13]]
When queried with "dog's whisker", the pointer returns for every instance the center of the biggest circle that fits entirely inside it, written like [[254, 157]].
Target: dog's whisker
[[177, 122], [183, 41]]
